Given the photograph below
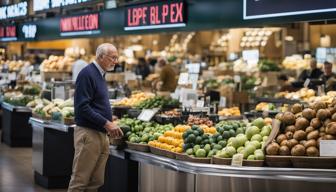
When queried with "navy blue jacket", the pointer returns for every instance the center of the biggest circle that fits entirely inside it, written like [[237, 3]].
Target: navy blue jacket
[[92, 106]]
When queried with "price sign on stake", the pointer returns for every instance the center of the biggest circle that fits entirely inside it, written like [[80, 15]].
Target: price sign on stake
[[147, 114], [237, 160], [306, 83], [200, 103], [222, 102], [327, 148]]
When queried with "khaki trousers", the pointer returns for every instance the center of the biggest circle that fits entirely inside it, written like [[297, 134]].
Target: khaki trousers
[[91, 153]]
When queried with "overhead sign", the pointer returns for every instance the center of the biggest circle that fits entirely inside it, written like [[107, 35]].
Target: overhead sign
[[14, 10], [256, 9], [8, 33], [167, 14], [80, 25], [29, 31], [40, 5]]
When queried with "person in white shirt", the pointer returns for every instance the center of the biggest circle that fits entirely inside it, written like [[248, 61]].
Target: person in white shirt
[[78, 65]]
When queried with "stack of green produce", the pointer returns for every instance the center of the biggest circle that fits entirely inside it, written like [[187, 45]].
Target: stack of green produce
[[200, 144], [250, 143], [31, 89], [268, 65], [17, 99], [157, 102], [137, 131]]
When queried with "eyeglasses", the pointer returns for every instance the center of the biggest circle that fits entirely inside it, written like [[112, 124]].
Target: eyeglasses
[[113, 58]]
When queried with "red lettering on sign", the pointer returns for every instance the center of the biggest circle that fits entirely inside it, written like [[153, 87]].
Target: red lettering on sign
[[152, 15], [157, 20], [144, 15], [172, 13], [11, 31], [2, 32], [164, 13], [80, 23], [179, 14]]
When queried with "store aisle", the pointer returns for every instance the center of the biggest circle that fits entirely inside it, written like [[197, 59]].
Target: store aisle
[[16, 173]]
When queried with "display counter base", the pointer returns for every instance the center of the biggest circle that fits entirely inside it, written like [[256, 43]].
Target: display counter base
[[51, 182], [16, 132]]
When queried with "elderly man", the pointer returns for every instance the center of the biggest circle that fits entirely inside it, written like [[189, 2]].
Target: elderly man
[[93, 118]]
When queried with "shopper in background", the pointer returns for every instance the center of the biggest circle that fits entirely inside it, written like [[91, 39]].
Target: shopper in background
[[312, 73], [284, 84], [93, 118], [167, 76], [78, 65], [328, 77], [142, 68]]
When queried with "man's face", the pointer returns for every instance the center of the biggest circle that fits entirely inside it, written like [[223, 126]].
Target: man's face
[[109, 60], [313, 64], [327, 69]]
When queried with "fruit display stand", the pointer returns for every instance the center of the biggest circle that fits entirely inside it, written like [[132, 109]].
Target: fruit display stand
[[16, 132], [157, 173], [53, 151]]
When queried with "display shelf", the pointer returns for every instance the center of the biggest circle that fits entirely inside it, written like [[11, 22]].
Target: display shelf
[[298, 174], [50, 124], [277, 100], [12, 108], [53, 151]]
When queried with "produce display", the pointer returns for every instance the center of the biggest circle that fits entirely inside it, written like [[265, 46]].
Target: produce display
[[296, 62], [233, 111], [265, 107], [158, 102], [134, 100], [304, 127], [171, 140], [57, 64], [250, 143], [194, 120], [17, 98], [57, 107], [328, 98], [303, 94], [14, 66], [171, 113], [137, 131], [268, 65]]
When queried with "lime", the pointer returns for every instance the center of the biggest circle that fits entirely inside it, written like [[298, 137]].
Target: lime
[[200, 153]]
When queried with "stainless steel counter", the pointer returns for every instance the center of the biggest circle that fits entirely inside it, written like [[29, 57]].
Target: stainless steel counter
[[15, 108], [292, 174], [49, 124]]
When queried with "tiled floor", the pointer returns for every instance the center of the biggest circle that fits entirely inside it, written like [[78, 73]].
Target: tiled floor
[[16, 172]]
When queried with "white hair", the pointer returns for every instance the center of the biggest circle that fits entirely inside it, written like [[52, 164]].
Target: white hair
[[103, 48]]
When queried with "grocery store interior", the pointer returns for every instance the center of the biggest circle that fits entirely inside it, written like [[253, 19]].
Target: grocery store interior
[[202, 95]]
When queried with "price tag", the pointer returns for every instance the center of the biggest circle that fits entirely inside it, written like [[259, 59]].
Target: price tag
[[200, 103], [237, 79], [237, 160], [222, 102], [193, 68], [327, 148], [306, 83], [59, 92], [11, 76], [183, 79], [147, 114]]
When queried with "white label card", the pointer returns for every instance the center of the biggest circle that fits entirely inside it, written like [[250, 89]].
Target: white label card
[[11, 76], [327, 148], [237, 79], [237, 160], [147, 114], [306, 83], [183, 79], [200, 103], [59, 92], [222, 102]]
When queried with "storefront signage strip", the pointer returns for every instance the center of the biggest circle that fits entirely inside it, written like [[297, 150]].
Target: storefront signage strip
[[14, 10], [254, 9], [80, 25], [155, 15]]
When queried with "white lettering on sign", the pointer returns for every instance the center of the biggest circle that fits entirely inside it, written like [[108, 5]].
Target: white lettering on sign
[[61, 3], [29, 31], [40, 5], [15, 10]]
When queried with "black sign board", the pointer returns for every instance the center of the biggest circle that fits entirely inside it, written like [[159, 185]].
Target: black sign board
[[257, 9], [87, 24], [8, 33], [166, 14], [43, 5]]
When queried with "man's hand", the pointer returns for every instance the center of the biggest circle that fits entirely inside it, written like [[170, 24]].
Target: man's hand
[[113, 129]]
